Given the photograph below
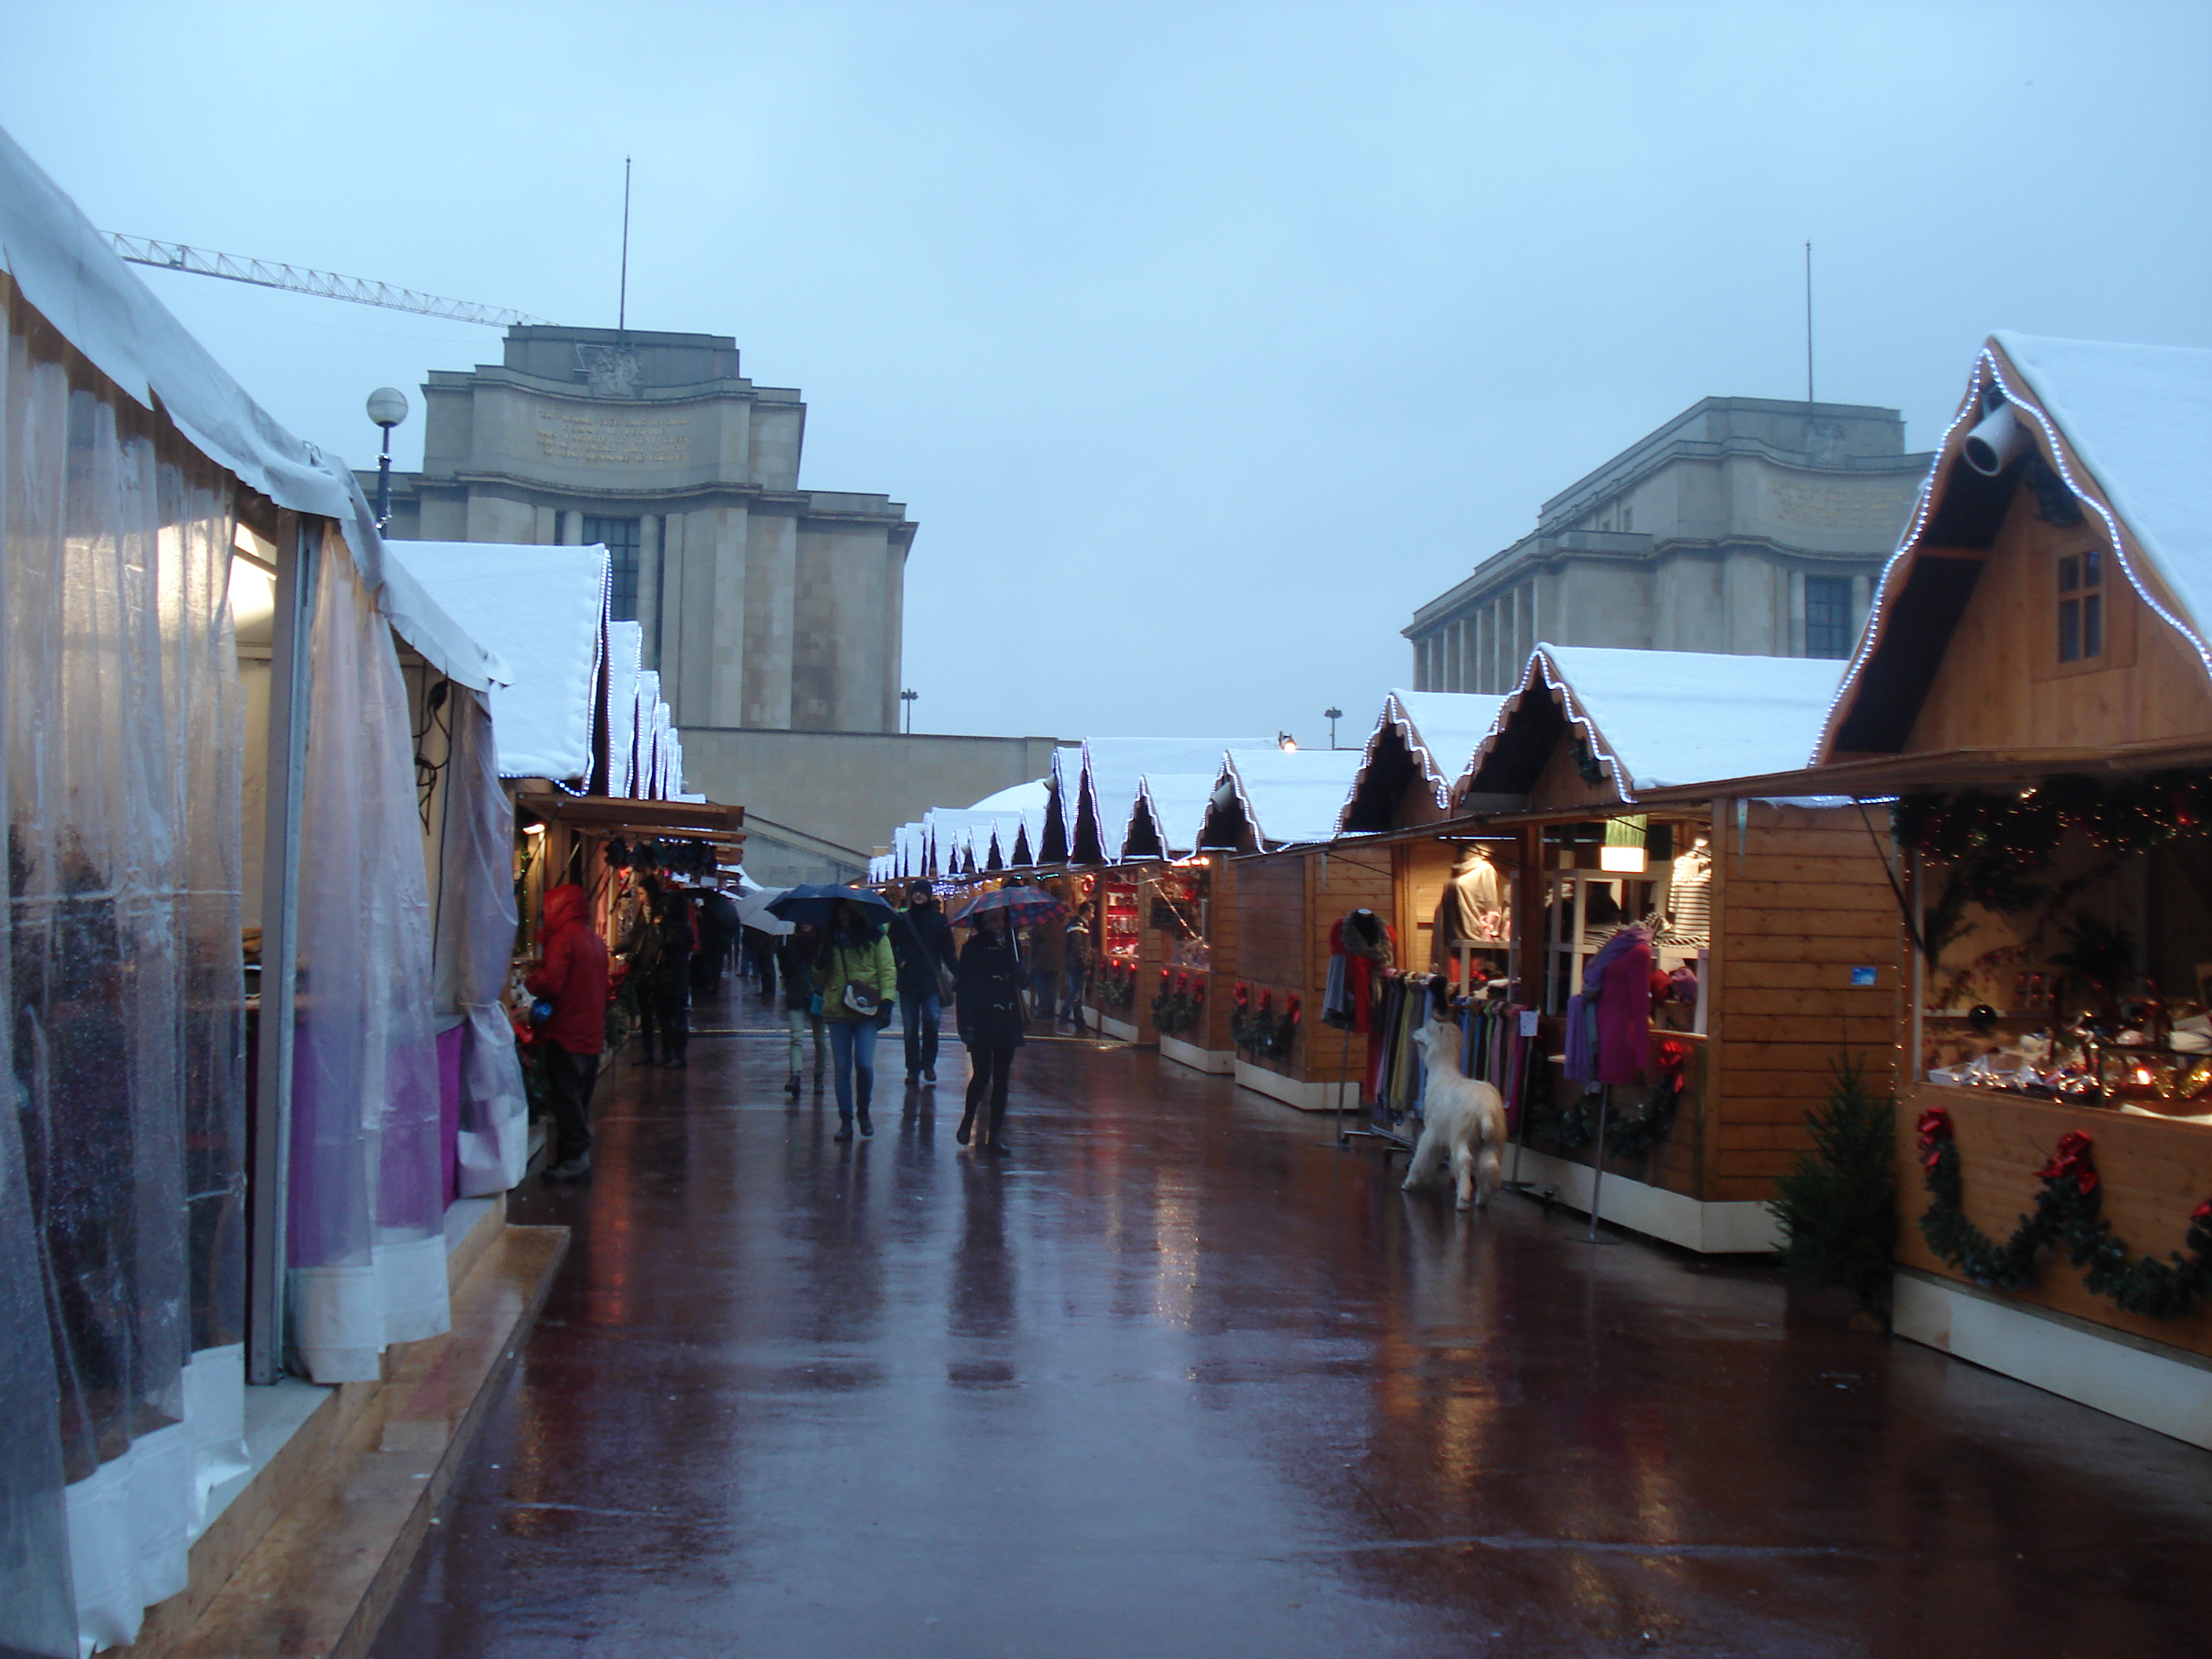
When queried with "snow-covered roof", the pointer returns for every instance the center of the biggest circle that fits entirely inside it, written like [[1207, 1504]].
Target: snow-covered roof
[[1111, 766], [544, 609], [70, 275], [1655, 720], [1443, 729], [2139, 418], [1291, 795], [1174, 804], [625, 656]]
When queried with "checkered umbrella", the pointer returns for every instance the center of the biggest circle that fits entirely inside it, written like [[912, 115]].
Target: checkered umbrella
[[1025, 906]]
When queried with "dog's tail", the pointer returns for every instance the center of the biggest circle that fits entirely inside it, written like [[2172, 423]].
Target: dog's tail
[[1489, 1168]]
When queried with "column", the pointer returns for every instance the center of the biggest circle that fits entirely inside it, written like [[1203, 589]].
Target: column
[[665, 633], [572, 529], [648, 584], [771, 593]]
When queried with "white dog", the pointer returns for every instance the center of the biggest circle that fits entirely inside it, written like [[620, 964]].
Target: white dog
[[1460, 1117]]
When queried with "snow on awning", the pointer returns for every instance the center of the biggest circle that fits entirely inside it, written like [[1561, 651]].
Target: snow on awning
[[71, 276], [2139, 418], [625, 656], [1657, 720], [1168, 812], [544, 610], [1291, 795]]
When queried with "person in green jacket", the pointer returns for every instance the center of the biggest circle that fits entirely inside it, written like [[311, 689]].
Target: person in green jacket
[[855, 957]]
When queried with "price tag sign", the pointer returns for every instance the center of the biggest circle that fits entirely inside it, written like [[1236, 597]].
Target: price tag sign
[[1862, 978], [1528, 1022]]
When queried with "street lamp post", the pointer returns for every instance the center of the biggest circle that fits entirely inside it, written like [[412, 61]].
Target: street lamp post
[[387, 407], [1332, 716], [907, 698]]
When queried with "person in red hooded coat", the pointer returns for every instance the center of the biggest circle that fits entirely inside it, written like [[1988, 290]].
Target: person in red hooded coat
[[572, 976]]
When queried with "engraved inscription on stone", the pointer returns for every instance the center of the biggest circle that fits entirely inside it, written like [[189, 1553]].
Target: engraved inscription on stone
[[616, 440], [1832, 508]]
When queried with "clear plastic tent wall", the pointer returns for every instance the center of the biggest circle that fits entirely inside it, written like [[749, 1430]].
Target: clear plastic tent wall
[[125, 1035], [367, 1235], [475, 936]]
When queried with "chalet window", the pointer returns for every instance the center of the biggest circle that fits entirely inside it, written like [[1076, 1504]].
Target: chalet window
[[1828, 616], [621, 538], [2081, 605]]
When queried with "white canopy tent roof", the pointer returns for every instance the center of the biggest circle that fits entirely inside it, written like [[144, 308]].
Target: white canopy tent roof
[[544, 610], [73, 278]]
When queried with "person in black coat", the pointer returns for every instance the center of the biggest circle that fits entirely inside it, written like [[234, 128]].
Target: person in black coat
[[922, 942], [988, 1007]]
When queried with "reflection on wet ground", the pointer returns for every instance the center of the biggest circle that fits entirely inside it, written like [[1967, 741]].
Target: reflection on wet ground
[[1179, 1377]]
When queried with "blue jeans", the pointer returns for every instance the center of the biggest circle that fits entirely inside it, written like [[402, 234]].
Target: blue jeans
[[921, 1014], [853, 1047], [1071, 996]]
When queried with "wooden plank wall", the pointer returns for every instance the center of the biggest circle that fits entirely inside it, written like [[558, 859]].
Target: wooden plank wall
[[2152, 1175], [1221, 937], [1337, 882], [1423, 867], [1799, 900]]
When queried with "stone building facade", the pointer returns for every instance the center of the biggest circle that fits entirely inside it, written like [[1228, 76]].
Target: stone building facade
[[772, 613], [765, 605], [1746, 526]]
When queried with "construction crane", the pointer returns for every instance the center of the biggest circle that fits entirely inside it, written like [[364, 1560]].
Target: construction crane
[[298, 279]]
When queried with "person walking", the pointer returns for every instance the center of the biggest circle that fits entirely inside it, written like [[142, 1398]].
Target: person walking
[[572, 976], [794, 959], [923, 947], [1075, 967], [764, 953], [857, 978], [660, 947], [1045, 956], [987, 1003]]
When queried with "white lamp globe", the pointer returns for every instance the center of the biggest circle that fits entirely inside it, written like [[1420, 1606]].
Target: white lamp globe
[[387, 406]]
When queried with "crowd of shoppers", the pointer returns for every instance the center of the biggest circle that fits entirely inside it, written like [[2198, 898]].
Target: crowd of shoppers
[[840, 982]]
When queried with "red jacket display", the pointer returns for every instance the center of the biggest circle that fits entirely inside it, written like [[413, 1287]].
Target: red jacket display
[[573, 977]]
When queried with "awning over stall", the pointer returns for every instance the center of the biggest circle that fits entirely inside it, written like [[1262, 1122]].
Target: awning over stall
[[544, 609]]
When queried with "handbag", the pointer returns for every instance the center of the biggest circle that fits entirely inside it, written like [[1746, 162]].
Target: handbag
[[947, 986], [858, 1000]]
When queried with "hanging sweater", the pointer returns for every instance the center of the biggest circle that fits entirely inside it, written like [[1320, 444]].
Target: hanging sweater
[[1608, 1033]]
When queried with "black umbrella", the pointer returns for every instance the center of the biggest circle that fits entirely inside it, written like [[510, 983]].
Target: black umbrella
[[812, 906]]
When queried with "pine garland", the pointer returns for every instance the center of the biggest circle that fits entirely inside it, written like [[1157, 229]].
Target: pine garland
[[2069, 1212]]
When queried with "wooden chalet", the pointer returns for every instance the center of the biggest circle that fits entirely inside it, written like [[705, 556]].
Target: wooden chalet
[[2035, 683]]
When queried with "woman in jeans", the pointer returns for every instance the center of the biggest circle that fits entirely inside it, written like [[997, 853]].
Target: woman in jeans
[[794, 960], [987, 1005], [855, 956]]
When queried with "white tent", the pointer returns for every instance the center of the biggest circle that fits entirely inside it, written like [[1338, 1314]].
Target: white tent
[[544, 610]]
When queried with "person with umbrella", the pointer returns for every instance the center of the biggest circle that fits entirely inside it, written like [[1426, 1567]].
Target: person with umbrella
[[857, 980], [987, 1001], [923, 943]]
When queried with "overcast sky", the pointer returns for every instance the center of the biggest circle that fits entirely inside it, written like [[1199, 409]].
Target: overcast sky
[[1205, 341]]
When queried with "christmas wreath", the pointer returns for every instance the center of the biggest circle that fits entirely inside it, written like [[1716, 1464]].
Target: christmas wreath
[[2069, 1212], [1180, 1005], [1117, 987], [1267, 1034]]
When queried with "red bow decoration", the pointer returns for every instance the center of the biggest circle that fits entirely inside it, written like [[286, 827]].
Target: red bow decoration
[[1244, 996], [1291, 1009], [1198, 990], [2071, 1158], [2202, 1212], [1935, 1129]]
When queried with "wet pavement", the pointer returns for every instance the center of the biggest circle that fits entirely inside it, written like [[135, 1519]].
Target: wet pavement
[[1180, 1377]]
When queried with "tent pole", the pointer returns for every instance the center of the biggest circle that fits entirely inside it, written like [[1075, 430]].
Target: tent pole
[[270, 1152]]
